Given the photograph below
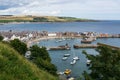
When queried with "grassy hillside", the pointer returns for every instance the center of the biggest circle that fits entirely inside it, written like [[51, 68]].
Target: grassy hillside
[[7, 19], [15, 67]]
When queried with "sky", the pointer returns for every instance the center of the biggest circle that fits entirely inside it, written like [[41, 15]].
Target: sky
[[90, 9]]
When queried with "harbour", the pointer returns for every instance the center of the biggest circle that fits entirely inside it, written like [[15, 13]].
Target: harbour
[[80, 65], [59, 39], [69, 36]]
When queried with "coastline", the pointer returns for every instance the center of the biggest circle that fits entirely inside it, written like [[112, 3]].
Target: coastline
[[45, 22], [31, 22], [57, 22], [29, 43]]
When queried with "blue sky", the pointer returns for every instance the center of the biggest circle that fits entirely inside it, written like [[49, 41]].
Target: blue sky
[[92, 9]]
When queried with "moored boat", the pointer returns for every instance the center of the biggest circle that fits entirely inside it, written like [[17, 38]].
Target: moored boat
[[66, 55], [76, 58], [64, 58], [73, 62], [60, 73], [67, 71], [59, 41], [88, 62]]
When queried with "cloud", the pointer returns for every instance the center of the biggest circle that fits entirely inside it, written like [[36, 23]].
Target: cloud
[[55, 12], [78, 8], [32, 7]]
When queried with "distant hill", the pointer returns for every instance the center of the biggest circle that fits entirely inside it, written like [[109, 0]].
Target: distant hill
[[29, 18], [13, 66]]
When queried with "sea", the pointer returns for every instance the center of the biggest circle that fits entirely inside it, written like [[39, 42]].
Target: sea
[[110, 27], [101, 26]]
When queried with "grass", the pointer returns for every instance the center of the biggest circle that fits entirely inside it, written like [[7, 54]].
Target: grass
[[15, 67], [41, 19]]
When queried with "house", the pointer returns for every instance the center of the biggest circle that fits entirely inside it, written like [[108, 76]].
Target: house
[[15, 37], [52, 34], [6, 39]]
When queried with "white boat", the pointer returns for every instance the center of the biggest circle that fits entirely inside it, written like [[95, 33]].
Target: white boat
[[73, 62], [68, 48], [63, 38], [60, 73], [71, 78], [88, 62], [76, 58], [66, 55], [64, 58], [47, 49], [68, 39], [59, 41]]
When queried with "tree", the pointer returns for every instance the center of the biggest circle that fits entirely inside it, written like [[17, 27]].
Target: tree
[[39, 52], [21, 47], [1, 38], [105, 66], [41, 58]]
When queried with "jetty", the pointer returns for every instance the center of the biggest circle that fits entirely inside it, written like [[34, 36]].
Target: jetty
[[76, 46], [62, 47], [85, 46], [59, 48], [113, 47]]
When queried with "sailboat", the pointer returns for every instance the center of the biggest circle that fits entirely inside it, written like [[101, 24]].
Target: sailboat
[[64, 58], [73, 62], [75, 58]]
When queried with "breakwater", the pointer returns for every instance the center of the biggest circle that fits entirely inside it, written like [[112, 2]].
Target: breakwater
[[94, 46], [113, 47], [85, 46]]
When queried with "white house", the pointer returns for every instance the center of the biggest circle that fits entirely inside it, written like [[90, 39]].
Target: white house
[[6, 39], [52, 34], [30, 35], [15, 37], [24, 38]]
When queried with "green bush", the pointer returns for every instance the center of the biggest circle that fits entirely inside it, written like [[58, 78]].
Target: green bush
[[21, 47], [1, 38], [41, 58]]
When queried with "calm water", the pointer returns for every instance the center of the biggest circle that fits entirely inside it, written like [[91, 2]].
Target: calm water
[[80, 66], [105, 27]]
